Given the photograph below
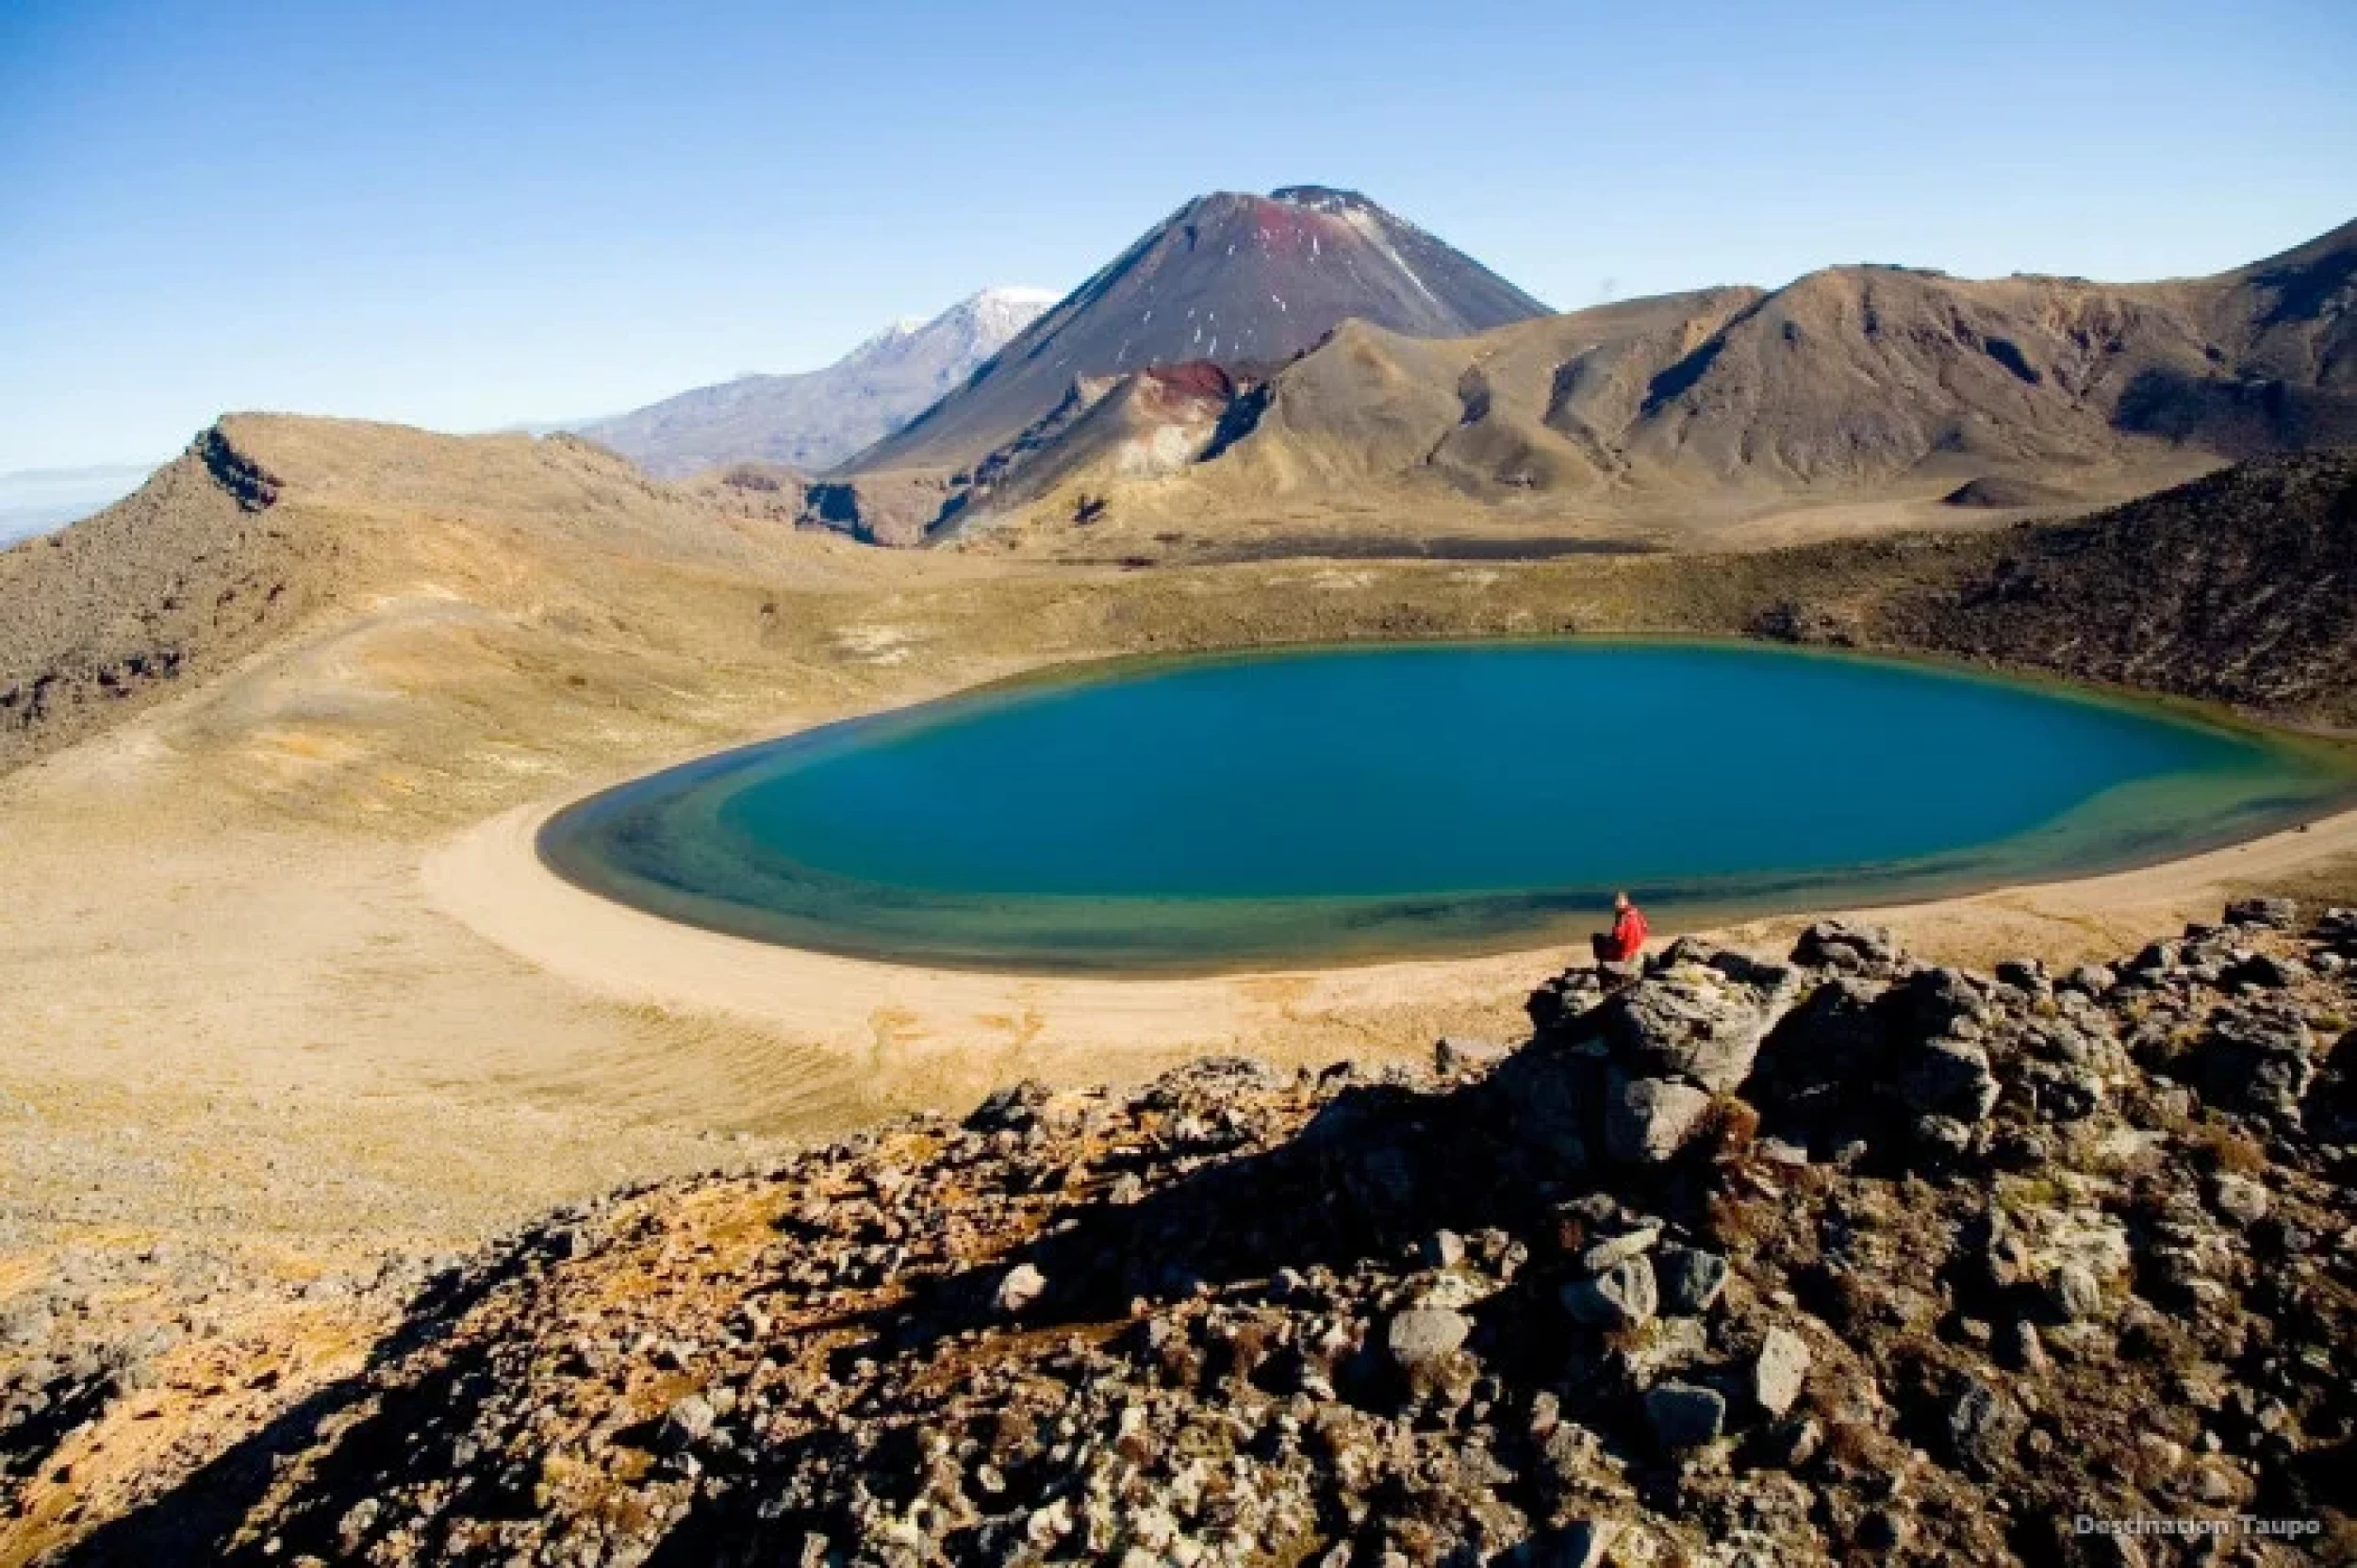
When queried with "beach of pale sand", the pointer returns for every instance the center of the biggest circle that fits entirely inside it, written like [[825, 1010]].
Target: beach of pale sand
[[250, 1051], [226, 1018], [947, 1024]]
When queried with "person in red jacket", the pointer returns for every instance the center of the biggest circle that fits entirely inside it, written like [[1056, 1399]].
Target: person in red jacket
[[1626, 938]]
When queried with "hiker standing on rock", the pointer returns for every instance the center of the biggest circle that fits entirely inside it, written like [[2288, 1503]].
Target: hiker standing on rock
[[1626, 938]]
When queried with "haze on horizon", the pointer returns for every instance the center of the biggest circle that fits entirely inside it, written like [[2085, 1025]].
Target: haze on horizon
[[468, 221]]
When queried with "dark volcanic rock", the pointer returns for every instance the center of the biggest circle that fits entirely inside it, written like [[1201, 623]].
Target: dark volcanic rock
[[1375, 1317], [1691, 1280], [1621, 1297], [2270, 913], [1647, 1120], [1982, 1426], [1683, 1416], [1948, 1077], [1690, 1021], [2258, 1060], [1850, 950]]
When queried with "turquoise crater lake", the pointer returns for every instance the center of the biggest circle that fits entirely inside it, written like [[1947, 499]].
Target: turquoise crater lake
[[1343, 805]]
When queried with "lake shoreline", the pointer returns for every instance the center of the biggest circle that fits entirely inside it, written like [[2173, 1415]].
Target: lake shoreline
[[663, 841], [494, 879]]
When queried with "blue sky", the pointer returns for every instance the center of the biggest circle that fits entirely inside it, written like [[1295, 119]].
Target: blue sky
[[469, 215]]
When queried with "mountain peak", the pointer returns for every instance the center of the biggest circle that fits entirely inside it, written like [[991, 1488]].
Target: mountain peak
[[814, 421], [1015, 294], [1322, 198], [1241, 280]]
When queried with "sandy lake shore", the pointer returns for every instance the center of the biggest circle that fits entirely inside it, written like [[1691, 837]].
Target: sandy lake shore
[[269, 1051], [238, 1004], [947, 1024]]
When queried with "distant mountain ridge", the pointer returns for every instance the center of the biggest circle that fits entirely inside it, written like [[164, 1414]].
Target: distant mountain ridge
[[815, 420], [270, 527], [1848, 382]]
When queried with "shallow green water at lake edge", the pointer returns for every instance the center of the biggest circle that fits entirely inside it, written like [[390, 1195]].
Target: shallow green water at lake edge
[[1344, 804]]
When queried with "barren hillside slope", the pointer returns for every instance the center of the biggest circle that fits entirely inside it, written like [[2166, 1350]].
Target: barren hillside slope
[[272, 530], [2239, 587], [1839, 1258], [428, 596], [1650, 419]]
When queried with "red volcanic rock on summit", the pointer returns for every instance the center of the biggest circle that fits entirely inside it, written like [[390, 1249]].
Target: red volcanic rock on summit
[[1241, 281]]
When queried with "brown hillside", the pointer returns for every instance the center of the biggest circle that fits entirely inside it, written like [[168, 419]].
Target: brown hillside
[[398, 600], [1857, 374], [173, 584], [1530, 407], [270, 528], [2239, 587], [1654, 417]]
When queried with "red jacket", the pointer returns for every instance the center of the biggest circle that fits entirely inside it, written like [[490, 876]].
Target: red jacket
[[1629, 934]]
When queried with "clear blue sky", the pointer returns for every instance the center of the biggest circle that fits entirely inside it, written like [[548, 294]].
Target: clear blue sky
[[464, 215]]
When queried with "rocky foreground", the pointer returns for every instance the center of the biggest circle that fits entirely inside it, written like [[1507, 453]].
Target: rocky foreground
[[1733, 1262]]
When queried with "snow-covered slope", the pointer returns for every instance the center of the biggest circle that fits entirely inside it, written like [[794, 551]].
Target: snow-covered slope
[[814, 420]]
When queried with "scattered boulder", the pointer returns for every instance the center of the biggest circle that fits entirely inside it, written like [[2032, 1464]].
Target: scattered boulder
[[1463, 1053], [2238, 1197], [1699, 1016], [1621, 1297], [2257, 1060], [687, 1423], [2088, 980], [1618, 973], [1614, 1251], [1567, 1000], [1691, 1280], [1837, 1036], [1946, 1077], [1932, 1002], [1648, 1120], [2263, 971], [1779, 1371], [1011, 1109], [2018, 1345], [2264, 913], [2026, 975], [1983, 1426], [2075, 1291], [1422, 1340], [1684, 1415], [1581, 1545], [1846, 949], [1940, 1142], [1019, 1289]]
